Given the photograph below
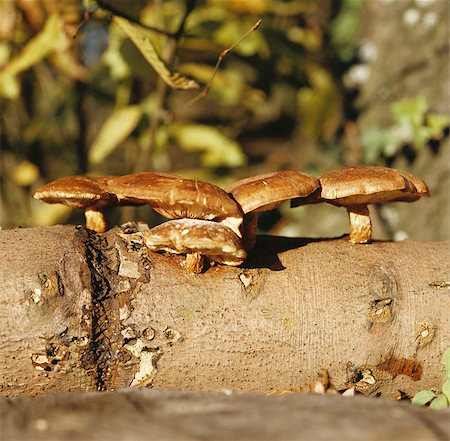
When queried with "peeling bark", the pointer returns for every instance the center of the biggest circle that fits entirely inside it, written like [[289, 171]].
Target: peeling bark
[[85, 311]]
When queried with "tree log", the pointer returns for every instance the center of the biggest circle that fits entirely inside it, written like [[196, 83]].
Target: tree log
[[84, 311], [183, 416]]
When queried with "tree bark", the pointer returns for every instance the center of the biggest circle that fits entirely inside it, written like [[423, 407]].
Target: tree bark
[[409, 46], [85, 311], [182, 416]]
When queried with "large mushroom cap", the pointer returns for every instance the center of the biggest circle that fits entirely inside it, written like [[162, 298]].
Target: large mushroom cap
[[187, 236], [265, 192], [175, 197], [75, 191], [362, 185]]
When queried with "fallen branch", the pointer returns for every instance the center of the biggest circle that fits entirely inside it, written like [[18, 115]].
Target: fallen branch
[[84, 311]]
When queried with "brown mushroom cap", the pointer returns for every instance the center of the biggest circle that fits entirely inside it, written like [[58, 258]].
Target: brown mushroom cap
[[362, 185], [265, 192], [187, 236], [175, 197], [419, 184], [76, 192]]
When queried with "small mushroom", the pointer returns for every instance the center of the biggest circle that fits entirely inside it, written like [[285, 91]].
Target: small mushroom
[[266, 192], [79, 192], [175, 197], [357, 186], [197, 239]]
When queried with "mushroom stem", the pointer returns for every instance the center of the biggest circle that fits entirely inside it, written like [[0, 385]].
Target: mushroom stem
[[95, 220], [360, 225], [249, 230], [195, 262], [233, 223]]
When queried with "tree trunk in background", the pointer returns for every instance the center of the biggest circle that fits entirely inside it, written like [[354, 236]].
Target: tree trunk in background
[[83, 311], [408, 56]]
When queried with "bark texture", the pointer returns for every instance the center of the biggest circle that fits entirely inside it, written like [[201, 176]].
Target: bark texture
[[181, 416], [85, 311]]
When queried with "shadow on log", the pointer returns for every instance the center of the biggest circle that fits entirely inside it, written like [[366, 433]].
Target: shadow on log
[[83, 311]]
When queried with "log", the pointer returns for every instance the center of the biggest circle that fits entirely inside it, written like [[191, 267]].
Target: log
[[84, 311], [140, 414]]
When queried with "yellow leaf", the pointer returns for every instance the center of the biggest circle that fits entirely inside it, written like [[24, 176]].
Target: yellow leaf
[[113, 131], [113, 57], [25, 173], [139, 37], [217, 149], [9, 86], [50, 214], [50, 39]]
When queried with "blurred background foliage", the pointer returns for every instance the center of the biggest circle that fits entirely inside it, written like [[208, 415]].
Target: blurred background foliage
[[111, 87]]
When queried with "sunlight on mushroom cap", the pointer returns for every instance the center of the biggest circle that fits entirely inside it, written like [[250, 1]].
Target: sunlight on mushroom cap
[[74, 191], [362, 185], [266, 192], [175, 197]]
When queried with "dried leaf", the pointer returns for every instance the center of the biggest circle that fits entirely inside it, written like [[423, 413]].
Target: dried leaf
[[139, 37], [114, 130]]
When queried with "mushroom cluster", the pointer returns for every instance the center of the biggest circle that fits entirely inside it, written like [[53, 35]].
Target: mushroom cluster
[[209, 223]]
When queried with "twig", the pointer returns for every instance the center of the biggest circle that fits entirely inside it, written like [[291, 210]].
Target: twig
[[222, 55], [86, 17], [110, 8]]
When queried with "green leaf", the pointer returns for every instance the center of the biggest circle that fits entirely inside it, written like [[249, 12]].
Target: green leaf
[[446, 388], [412, 111], [218, 150], [140, 38], [49, 40], [113, 131], [440, 402], [437, 123], [344, 28], [319, 105], [423, 397], [421, 135], [446, 362], [90, 5], [373, 141]]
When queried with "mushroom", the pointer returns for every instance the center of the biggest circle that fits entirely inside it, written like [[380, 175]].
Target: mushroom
[[175, 197], [357, 186], [79, 192], [197, 239], [266, 192]]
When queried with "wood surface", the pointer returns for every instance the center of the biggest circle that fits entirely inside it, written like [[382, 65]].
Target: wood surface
[[83, 311], [139, 414]]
